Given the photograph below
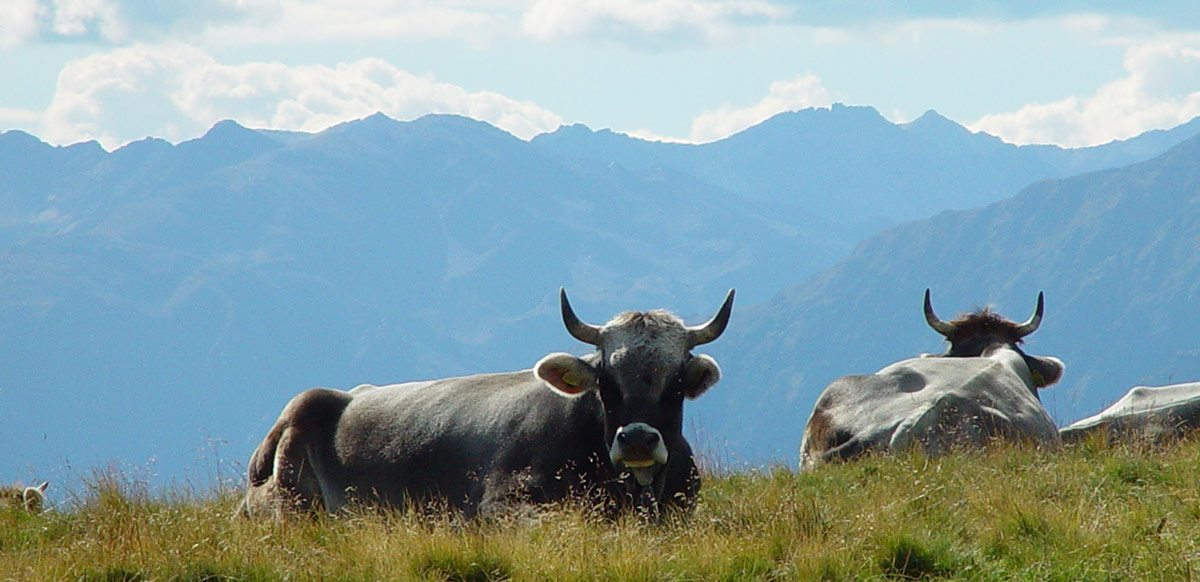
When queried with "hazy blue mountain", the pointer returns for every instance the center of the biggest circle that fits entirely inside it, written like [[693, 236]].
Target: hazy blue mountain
[[166, 300], [850, 165], [1115, 251], [32, 168]]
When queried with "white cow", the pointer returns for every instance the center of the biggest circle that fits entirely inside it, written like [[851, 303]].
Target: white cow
[[1144, 413], [983, 388]]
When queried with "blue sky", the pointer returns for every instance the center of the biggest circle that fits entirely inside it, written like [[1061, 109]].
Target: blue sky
[[1070, 73]]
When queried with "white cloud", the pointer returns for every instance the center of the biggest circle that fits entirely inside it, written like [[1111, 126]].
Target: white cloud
[[1161, 90], [79, 17], [648, 135], [800, 93], [550, 20], [178, 91], [22, 119], [19, 21], [917, 31], [286, 21], [239, 22], [24, 21]]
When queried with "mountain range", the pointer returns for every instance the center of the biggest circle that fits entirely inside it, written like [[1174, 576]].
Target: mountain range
[[852, 166], [160, 303]]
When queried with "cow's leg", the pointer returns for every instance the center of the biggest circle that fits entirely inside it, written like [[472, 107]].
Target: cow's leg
[[294, 466], [295, 473], [682, 480]]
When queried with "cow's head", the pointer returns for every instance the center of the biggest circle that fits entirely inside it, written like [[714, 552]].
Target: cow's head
[[643, 369], [981, 333]]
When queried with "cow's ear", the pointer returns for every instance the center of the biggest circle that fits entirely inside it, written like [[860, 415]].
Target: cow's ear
[[566, 373], [699, 374], [1045, 370]]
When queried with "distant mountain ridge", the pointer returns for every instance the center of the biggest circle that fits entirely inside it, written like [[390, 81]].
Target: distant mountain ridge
[[159, 297], [848, 164]]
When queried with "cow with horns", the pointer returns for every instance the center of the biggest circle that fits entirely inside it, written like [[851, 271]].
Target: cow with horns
[[605, 427], [985, 387]]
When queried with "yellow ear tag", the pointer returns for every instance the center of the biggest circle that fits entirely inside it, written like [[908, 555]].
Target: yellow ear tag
[[572, 379]]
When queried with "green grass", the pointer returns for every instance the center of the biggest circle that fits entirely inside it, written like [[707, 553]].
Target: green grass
[[1091, 512]]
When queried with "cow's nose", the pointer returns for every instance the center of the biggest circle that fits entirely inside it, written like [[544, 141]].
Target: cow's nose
[[639, 444], [637, 437]]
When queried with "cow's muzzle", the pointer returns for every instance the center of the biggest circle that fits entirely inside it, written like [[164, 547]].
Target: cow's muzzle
[[640, 448]]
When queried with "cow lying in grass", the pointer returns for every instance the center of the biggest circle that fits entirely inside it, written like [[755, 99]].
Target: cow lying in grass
[[984, 387], [1144, 414], [606, 427]]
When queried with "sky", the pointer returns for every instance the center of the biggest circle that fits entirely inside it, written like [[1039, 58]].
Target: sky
[[1069, 73]]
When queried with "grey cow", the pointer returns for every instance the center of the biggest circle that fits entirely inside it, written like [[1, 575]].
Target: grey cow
[[984, 387], [605, 427]]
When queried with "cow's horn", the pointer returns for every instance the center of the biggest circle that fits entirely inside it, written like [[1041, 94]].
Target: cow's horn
[[1035, 320], [934, 321], [707, 332], [584, 332]]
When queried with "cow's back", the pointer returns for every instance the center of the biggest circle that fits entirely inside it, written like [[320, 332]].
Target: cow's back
[[469, 441], [934, 403], [1147, 413]]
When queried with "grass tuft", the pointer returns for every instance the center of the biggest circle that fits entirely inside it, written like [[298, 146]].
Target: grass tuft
[[748, 568], [206, 572], [1032, 527], [112, 574], [453, 567], [1136, 472], [905, 558]]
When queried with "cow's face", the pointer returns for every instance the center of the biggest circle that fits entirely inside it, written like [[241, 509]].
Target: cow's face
[[643, 370], [981, 333]]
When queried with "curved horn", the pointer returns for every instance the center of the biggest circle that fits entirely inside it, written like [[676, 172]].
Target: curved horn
[[934, 321], [584, 332], [1034, 320], [713, 328]]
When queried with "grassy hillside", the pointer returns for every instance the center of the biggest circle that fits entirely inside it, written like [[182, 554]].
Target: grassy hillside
[[1093, 512]]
